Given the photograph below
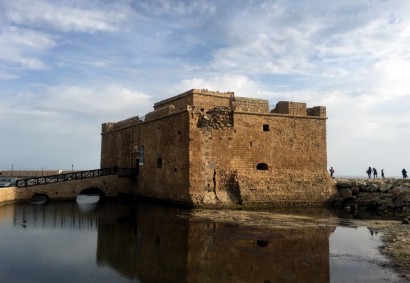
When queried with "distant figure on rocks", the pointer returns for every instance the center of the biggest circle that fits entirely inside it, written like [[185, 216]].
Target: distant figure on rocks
[[332, 171], [374, 173], [382, 173], [369, 172], [404, 172]]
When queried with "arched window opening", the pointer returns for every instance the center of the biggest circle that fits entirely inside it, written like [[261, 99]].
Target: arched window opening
[[262, 166]]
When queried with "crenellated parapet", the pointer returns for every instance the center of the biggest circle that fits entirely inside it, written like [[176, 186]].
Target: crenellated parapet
[[108, 127], [160, 112], [298, 109], [252, 105]]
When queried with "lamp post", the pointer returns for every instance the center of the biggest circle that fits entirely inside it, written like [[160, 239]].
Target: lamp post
[[12, 168], [72, 168]]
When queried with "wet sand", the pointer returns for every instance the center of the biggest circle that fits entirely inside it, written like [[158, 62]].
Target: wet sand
[[396, 243]]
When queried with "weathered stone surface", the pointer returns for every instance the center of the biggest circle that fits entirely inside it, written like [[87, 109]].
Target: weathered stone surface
[[111, 186], [345, 192], [209, 148], [386, 196]]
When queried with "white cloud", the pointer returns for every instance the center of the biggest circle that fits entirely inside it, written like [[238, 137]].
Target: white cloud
[[67, 16], [20, 47]]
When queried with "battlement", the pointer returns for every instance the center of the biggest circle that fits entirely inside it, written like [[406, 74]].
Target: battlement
[[298, 109], [253, 105], [108, 127], [160, 112], [201, 98]]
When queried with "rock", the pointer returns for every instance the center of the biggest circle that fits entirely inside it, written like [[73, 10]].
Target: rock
[[355, 190], [344, 183], [384, 187], [405, 221], [345, 192], [374, 187]]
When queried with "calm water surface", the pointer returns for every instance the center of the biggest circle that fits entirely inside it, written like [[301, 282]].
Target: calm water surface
[[114, 242]]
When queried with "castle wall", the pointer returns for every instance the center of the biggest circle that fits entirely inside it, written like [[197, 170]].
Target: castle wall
[[289, 151], [242, 104], [202, 99], [163, 172], [208, 148]]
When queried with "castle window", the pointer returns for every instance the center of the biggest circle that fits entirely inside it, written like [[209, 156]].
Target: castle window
[[250, 144], [266, 127], [262, 166], [159, 162], [179, 132], [141, 154]]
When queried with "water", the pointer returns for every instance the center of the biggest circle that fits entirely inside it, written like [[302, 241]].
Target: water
[[114, 242]]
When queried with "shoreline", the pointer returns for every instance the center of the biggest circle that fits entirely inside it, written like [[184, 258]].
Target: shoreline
[[395, 237]]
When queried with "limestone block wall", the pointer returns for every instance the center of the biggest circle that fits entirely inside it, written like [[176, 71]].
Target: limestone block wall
[[291, 108], [160, 112], [217, 148], [201, 99], [165, 171], [319, 111], [106, 127], [117, 148], [242, 104], [262, 158]]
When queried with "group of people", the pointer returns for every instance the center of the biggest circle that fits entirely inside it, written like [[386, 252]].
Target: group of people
[[371, 171]]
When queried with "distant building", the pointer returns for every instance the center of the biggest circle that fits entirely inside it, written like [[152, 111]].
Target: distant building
[[207, 148]]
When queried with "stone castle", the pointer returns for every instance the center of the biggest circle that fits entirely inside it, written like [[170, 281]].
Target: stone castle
[[206, 148]]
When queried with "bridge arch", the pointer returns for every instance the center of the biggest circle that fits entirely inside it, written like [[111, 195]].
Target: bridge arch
[[93, 191]]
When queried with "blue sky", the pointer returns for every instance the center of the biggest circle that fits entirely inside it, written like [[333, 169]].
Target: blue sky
[[67, 66]]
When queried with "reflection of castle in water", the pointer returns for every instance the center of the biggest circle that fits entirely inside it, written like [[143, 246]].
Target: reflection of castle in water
[[158, 247], [164, 244]]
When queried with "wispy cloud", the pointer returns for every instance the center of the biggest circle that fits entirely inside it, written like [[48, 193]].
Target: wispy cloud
[[71, 65], [67, 16]]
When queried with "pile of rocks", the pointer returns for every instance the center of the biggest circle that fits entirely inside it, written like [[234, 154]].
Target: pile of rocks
[[387, 197], [216, 118]]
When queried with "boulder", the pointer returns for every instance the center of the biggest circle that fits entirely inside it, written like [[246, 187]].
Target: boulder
[[344, 183], [345, 192]]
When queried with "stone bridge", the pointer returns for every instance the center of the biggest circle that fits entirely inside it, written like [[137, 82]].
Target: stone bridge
[[109, 186]]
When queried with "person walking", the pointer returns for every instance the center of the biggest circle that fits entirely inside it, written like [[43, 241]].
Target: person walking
[[369, 172], [332, 171], [404, 172], [374, 173], [382, 173]]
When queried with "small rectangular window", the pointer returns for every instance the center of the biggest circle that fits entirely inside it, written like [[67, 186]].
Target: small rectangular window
[[141, 154], [159, 162], [266, 127]]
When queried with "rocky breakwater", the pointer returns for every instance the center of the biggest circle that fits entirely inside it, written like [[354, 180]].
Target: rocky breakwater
[[388, 198]]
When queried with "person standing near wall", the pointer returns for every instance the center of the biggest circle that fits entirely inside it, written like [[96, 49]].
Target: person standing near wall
[[382, 173], [332, 171]]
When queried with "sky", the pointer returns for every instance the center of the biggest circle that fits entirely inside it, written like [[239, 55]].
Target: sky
[[67, 66]]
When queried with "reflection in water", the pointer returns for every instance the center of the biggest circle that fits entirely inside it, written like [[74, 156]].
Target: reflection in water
[[149, 243]]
